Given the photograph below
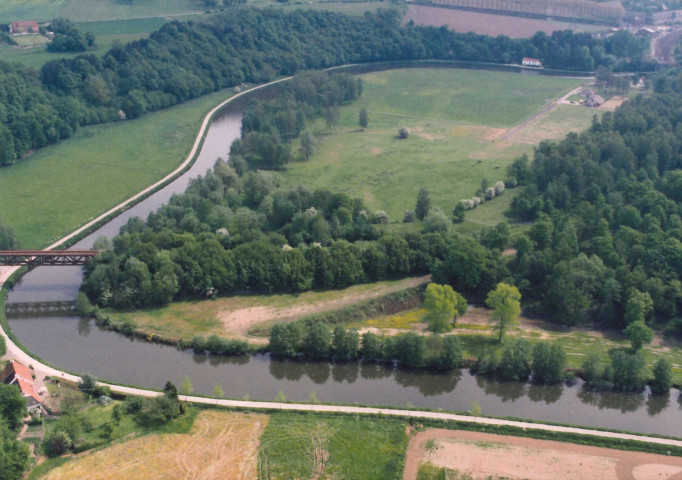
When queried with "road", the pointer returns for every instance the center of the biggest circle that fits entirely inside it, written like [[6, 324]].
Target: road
[[41, 369]]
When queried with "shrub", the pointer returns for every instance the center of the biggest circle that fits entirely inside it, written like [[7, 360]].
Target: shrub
[[57, 443], [663, 377], [515, 363], [403, 132]]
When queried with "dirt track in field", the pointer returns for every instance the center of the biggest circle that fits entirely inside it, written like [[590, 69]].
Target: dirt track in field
[[221, 445], [482, 455], [239, 322]]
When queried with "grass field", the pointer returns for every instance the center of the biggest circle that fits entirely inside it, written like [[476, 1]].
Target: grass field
[[307, 446], [454, 116], [60, 187], [220, 445], [235, 316]]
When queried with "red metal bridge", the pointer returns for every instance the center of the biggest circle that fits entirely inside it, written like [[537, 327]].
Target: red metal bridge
[[39, 258]]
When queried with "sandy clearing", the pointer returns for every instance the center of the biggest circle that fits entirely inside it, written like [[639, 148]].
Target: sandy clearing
[[221, 445], [239, 322], [482, 454]]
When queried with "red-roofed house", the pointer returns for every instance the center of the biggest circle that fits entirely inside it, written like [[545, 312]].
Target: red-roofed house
[[17, 374], [24, 28]]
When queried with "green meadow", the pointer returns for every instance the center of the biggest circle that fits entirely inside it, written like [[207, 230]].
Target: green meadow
[[456, 118]]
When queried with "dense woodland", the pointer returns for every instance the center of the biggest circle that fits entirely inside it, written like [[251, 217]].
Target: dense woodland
[[184, 60]]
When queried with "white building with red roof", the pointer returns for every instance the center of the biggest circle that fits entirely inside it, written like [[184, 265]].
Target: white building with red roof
[[24, 28]]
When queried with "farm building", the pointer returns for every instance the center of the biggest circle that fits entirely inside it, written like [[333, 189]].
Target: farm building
[[24, 28], [586, 93], [531, 62], [17, 374], [594, 101]]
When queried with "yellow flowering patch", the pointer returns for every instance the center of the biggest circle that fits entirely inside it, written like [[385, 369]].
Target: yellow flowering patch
[[404, 320]]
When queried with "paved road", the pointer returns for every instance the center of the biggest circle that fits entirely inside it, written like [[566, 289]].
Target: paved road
[[13, 351]]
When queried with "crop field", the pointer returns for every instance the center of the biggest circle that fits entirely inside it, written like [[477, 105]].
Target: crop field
[[474, 455], [220, 445], [455, 117], [96, 169], [488, 23], [235, 316], [318, 447]]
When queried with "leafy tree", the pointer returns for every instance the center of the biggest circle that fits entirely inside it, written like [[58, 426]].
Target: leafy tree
[[363, 118], [308, 144], [549, 362], [663, 377], [331, 117], [638, 307], [627, 370], [14, 454], [423, 204], [409, 349], [452, 353], [117, 414], [505, 301], [345, 343], [458, 213], [57, 443], [285, 339], [12, 405], [639, 334], [88, 384], [372, 347], [591, 367], [316, 341], [436, 221], [515, 362], [217, 391], [443, 305], [186, 386]]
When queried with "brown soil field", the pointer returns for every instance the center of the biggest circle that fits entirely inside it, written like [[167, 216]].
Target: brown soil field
[[221, 445], [482, 455], [488, 23]]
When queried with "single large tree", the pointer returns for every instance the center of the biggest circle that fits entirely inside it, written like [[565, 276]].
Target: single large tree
[[443, 305], [423, 204], [505, 301]]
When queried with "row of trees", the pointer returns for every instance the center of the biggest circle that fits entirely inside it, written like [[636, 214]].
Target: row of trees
[[14, 454], [184, 60]]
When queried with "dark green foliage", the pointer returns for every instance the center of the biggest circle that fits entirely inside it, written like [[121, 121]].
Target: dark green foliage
[[345, 343], [549, 362], [486, 363], [12, 405], [363, 118], [316, 342], [515, 362], [57, 443], [88, 384], [452, 354], [592, 368], [639, 334], [408, 349], [14, 454], [3, 346], [7, 241], [285, 339], [663, 377], [156, 411], [372, 347], [627, 371], [423, 204], [68, 38]]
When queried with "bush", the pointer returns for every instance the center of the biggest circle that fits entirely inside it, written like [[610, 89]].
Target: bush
[[132, 405], [57, 443], [403, 133], [88, 385], [663, 377], [515, 363]]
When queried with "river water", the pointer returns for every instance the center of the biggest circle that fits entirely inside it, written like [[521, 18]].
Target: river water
[[79, 345]]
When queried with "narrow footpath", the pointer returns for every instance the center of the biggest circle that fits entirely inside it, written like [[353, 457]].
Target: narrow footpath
[[41, 370]]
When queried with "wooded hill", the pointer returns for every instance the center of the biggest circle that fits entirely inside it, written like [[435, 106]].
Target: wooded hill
[[184, 60]]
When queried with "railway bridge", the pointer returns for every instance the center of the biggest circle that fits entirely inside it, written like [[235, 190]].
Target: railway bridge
[[40, 258]]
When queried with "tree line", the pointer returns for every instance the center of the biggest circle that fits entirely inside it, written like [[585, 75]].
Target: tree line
[[183, 60]]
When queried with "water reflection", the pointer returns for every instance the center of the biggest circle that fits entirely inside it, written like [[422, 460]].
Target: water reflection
[[430, 384], [655, 404], [84, 326], [545, 393], [286, 370], [612, 400], [345, 372], [374, 371], [506, 391]]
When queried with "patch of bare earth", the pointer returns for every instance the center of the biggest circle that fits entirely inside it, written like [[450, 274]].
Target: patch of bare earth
[[482, 455], [239, 322], [487, 23], [612, 103], [221, 445]]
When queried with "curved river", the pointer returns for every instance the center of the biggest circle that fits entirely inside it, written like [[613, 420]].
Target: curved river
[[79, 345]]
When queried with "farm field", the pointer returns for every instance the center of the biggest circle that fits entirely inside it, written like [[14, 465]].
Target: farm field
[[220, 445], [318, 447], [454, 121], [97, 168], [477, 335], [235, 316], [106, 32], [476, 455], [488, 23]]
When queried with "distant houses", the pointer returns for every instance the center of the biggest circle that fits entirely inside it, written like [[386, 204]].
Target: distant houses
[[24, 28], [20, 375], [594, 101], [531, 62]]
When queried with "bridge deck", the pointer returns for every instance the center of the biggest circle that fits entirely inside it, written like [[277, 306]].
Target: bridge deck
[[46, 257]]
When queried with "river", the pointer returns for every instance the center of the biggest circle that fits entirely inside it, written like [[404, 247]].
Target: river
[[79, 345]]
